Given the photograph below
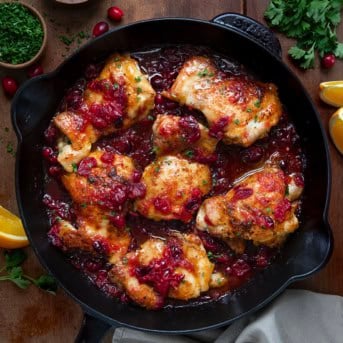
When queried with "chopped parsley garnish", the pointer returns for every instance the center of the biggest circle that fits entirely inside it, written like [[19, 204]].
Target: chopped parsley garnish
[[115, 86], [249, 110], [66, 40], [209, 254], [74, 166], [236, 121], [257, 103], [204, 182], [150, 117], [116, 59], [287, 190], [138, 79], [189, 153], [9, 148], [205, 73], [21, 33], [155, 149], [139, 90]]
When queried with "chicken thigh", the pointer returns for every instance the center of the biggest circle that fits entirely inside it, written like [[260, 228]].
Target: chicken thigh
[[238, 110]]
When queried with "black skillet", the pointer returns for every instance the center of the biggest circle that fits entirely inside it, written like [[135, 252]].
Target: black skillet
[[257, 48]]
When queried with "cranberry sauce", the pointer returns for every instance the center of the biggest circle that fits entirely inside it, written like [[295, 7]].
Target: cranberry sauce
[[228, 163]]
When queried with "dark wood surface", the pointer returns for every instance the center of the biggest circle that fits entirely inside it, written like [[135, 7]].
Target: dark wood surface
[[32, 315]]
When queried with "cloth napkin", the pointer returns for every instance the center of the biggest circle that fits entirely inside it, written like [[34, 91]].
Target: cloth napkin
[[297, 316]]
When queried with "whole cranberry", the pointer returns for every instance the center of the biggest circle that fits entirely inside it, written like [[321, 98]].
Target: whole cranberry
[[100, 28], [35, 71], [9, 85], [115, 13], [328, 61]]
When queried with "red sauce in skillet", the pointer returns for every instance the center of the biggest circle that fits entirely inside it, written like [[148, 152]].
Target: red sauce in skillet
[[227, 164]]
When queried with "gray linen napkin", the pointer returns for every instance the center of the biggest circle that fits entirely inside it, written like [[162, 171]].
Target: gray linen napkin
[[297, 316]]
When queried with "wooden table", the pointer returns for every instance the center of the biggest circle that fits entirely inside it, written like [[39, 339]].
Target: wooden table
[[34, 316]]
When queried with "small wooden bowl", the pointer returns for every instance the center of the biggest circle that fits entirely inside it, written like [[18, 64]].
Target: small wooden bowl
[[40, 52]]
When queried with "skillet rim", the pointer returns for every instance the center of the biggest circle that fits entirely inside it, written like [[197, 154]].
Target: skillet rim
[[55, 73]]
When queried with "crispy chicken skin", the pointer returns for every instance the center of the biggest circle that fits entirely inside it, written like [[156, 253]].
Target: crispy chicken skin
[[173, 134], [92, 193], [238, 110], [178, 268], [96, 181], [174, 188], [258, 208], [120, 97], [94, 231], [122, 69]]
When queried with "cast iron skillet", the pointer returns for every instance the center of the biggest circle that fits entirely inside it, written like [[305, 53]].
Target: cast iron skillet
[[254, 46]]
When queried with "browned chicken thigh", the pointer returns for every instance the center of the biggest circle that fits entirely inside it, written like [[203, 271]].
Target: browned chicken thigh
[[259, 208], [174, 134], [178, 268], [238, 110], [174, 188], [118, 98]]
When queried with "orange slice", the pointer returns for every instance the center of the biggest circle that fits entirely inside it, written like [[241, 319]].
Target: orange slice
[[12, 234], [336, 129], [331, 92]]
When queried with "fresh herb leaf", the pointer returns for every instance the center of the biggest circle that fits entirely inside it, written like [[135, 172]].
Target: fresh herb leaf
[[14, 258], [15, 273], [9, 148], [312, 23], [189, 153], [339, 50], [66, 40], [204, 73], [47, 283]]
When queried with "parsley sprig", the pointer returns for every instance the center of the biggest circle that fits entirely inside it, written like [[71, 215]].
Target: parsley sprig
[[312, 23], [12, 271]]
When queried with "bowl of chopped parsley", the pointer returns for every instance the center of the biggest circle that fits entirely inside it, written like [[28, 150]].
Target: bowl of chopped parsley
[[23, 35]]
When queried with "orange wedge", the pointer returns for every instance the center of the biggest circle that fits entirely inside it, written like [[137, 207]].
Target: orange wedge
[[12, 234], [336, 129], [331, 92]]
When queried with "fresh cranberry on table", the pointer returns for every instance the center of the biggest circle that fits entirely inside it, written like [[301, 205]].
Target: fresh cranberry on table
[[328, 61], [100, 28], [35, 71], [9, 85], [115, 13]]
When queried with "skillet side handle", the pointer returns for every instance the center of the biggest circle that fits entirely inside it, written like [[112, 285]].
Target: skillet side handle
[[252, 28], [92, 330]]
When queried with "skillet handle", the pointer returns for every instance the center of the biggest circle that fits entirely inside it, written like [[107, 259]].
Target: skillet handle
[[92, 330], [252, 28]]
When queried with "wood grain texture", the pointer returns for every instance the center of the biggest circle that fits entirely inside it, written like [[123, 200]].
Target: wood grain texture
[[33, 316]]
